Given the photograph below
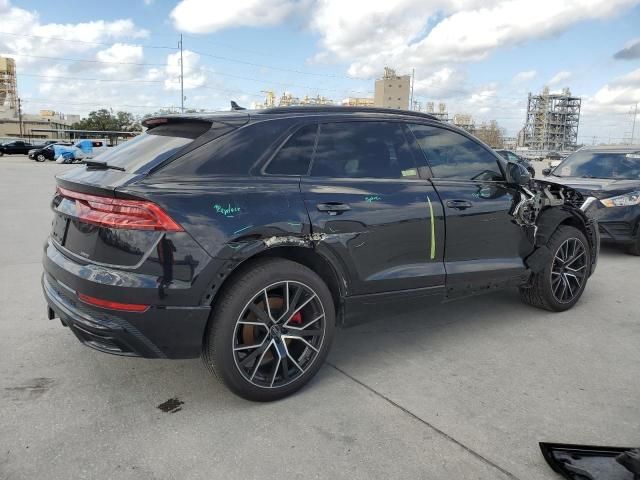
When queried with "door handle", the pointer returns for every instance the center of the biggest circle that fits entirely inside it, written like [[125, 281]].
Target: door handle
[[333, 208], [459, 204]]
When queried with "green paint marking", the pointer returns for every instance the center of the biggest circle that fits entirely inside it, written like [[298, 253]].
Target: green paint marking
[[242, 229], [227, 211], [433, 230], [372, 198], [294, 224]]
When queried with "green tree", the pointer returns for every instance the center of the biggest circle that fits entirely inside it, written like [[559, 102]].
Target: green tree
[[104, 119]]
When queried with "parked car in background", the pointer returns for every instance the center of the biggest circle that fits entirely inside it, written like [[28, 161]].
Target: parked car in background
[[248, 237], [554, 159], [47, 152], [514, 157], [17, 147], [87, 148], [612, 176]]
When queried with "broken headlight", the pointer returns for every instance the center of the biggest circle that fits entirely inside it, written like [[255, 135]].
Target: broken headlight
[[626, 200]]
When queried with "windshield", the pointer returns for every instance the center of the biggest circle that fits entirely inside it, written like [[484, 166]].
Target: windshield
[[589, 164]]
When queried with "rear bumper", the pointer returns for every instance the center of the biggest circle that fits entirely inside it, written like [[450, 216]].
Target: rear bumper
[[159, 332]]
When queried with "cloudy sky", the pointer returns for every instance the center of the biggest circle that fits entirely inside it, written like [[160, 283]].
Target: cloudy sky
[[479, 57]]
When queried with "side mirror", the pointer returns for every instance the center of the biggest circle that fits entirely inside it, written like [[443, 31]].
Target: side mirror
[[517, 174], [546, 172]]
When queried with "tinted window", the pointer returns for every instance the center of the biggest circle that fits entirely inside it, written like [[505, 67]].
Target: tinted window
[[363, 149], [294, 157], [452, 155], [600, 165], [232, 154]]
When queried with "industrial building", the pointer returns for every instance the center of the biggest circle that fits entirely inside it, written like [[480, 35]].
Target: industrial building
[[8, 88], [358, 102], [16, 124], [552, 121], [392, 90], [287, 100]]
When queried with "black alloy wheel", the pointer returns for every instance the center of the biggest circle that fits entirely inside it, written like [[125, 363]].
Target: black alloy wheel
[[270, 330], [278, 334], [569, 270]]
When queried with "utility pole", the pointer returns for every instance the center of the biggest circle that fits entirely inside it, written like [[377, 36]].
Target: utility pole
[[20, 115], [413, 76], [633, 128], [181, 78]]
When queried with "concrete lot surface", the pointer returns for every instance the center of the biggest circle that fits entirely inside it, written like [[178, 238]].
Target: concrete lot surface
[[459, 391]]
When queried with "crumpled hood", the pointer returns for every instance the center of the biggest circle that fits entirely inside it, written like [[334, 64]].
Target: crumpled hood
[[597, 187]]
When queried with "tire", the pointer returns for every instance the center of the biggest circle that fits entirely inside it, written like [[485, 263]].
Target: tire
[[547, 287], [40, 158], [257, 358]]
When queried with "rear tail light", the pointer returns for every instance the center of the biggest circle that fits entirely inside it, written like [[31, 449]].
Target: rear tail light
[[116, 213], [124, 307]]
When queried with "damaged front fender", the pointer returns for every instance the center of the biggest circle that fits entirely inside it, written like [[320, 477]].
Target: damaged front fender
[[544, 206]]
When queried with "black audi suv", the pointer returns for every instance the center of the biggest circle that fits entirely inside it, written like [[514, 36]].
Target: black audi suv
[[611, 175], [248, 237]]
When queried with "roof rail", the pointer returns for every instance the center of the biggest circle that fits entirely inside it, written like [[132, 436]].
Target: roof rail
[[344, 109]]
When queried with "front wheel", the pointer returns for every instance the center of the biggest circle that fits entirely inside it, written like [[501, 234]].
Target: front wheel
[[40, 158], [559, 285], [271, 330]]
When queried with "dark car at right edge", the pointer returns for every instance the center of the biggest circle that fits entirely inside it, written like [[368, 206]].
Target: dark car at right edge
[[611, 176], [248, 237]]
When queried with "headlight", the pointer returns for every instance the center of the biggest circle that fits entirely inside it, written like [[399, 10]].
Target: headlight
[[628, 199]]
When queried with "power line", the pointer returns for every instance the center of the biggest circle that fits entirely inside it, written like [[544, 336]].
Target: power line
[[86, 60], [82, 41]]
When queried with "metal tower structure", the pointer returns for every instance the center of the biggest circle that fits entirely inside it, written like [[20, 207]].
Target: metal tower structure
[[8, 88], [552, 121]]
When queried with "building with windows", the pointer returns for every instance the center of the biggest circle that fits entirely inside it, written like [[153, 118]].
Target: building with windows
[[392, 90], [358, 102]]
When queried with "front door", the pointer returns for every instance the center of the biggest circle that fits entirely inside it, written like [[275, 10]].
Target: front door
[[484, 245], [376, 216]]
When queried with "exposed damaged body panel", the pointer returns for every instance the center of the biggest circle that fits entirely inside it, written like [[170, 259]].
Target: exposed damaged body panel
[[545, 205], [590, 462]]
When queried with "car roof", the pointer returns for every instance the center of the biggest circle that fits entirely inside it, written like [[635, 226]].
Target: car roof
[[611, 148], [295, 111]]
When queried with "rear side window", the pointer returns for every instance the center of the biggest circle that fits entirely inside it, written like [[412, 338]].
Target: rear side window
[[232, 154], [452, 155], [363, 149], [295, 156], [154, 146]]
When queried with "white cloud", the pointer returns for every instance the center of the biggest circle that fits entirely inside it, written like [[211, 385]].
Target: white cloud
[[120, 60], [205, 16], [560, 77], [471, 32], [25, 34], [525, 76], [616, 96], [194, 74], [442, 84]]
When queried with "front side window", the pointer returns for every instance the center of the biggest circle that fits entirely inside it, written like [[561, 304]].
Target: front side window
[[452, 155], [363, 149], [295, 156]]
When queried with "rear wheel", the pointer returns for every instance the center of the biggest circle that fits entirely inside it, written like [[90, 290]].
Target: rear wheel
[[560, 284], [271, 330]]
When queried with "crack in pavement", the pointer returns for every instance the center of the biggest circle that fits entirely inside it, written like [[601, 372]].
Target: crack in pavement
[[424, 422]]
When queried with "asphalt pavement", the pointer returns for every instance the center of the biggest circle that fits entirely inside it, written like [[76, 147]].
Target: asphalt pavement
[[464, 390]]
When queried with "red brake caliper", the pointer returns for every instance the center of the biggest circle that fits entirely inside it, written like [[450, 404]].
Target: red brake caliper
[[297, 318]]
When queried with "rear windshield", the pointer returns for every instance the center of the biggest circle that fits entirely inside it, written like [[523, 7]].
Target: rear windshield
[[586, 164], [156, 145]]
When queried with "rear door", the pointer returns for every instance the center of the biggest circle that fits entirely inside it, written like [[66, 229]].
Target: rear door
[[484, 245], [379, 219]]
